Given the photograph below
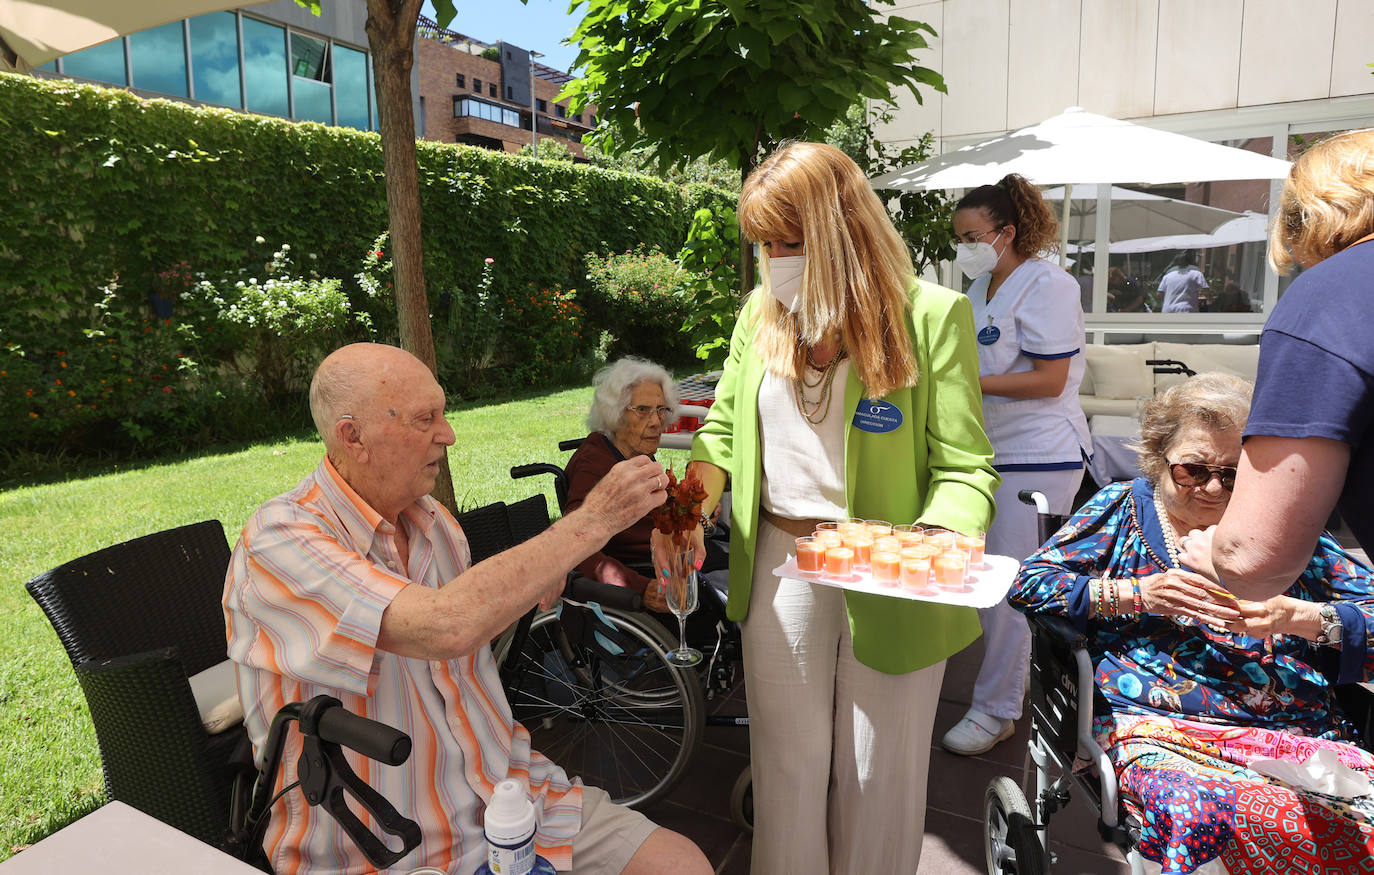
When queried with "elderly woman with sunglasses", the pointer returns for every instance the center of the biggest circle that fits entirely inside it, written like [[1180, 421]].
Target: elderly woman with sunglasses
[[633, 401], [1196, 690]]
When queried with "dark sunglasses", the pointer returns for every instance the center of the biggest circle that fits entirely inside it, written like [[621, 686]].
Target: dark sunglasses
[[1198, 474]]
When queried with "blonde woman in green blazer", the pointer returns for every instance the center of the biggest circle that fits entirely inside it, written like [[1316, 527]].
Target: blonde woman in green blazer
[[851, 390]]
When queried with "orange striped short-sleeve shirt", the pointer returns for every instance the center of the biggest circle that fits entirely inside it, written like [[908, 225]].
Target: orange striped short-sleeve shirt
[[310, 578]]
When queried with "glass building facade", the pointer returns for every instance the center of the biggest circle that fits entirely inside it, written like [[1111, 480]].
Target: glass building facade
[[234, 60]]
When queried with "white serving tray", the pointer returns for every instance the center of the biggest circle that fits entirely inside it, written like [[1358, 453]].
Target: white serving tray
[[986, 586]]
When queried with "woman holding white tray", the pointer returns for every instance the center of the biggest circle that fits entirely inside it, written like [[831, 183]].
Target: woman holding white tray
[[850, 391]]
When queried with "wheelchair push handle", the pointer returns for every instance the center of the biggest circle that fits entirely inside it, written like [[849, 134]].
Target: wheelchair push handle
[[1035, 497], [518, 472], [374, 740]]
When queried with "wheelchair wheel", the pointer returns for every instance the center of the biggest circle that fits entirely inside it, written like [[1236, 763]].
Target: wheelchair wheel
[[742, 801], [605, 704], [1011, 842]]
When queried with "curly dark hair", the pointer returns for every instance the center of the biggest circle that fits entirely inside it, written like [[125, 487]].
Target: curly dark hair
[[1015, 201]]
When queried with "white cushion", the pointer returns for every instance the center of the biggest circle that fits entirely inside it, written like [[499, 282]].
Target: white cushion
[[1094, 406], [1238, 361], [1119, 370], [217, 697]]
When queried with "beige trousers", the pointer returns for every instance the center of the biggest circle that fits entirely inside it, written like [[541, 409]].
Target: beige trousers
[[839, 751]]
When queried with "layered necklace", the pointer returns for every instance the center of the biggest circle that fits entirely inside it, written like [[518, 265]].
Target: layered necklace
[[816, 411]]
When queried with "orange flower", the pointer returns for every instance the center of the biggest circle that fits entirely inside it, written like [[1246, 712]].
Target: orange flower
[[58, 381], [71, 392], [33, 415], [64, 364]]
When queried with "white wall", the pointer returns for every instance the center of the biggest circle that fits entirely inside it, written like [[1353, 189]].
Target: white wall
[[1010, 63]]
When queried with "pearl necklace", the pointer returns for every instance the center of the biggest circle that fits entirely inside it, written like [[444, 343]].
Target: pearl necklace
[[1171, 546]]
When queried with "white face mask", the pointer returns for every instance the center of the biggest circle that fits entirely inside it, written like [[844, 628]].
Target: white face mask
[[976, 259], [784, 279]]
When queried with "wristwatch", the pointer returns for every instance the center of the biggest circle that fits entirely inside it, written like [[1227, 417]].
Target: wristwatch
[[1331, 626]]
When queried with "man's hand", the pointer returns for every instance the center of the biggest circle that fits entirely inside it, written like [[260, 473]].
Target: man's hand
[[628, 491]]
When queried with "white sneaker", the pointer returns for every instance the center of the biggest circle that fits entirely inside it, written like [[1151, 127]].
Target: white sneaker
[[977, 733]]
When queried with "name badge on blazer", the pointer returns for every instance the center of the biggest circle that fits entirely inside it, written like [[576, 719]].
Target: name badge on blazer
[[877, 417]]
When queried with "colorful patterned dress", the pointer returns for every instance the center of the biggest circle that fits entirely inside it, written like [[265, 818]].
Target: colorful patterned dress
[[1189, 709]]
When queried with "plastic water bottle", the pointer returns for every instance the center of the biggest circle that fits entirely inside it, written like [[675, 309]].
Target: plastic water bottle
[[509, 826]]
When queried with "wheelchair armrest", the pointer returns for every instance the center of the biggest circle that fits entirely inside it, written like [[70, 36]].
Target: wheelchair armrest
[[1060, 628], [584, 589]]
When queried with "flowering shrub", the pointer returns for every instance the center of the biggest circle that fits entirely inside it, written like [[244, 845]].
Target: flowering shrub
[[546, 337], [638, 297], [284, 324]]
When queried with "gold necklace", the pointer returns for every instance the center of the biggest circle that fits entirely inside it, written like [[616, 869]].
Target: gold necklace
[[825, 381]]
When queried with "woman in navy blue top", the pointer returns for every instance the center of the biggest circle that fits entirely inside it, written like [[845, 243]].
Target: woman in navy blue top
[[1306, 446]]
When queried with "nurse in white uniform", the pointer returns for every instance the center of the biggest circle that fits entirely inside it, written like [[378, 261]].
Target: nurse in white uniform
[[1030, 355]]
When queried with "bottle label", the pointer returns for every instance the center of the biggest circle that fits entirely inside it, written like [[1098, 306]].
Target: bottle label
[[518, 860]]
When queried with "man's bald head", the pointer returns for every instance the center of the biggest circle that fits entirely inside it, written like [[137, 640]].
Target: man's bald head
[[355, 378]]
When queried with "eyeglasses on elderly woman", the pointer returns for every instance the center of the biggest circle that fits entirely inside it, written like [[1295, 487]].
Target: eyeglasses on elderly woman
[[1190, 474], [642, 410]]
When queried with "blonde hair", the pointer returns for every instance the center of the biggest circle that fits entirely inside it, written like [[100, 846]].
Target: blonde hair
[[857, 267], [1015, 201], [1215, 401], [1327, 201]]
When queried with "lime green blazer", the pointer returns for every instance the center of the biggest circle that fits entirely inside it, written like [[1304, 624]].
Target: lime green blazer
[[934, 468]]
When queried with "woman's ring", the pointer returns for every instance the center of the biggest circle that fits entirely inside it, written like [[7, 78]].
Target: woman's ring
[[1183, 543], [658, 481]]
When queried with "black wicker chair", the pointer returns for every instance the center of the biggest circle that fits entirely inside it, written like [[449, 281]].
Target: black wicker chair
[[137, 620]]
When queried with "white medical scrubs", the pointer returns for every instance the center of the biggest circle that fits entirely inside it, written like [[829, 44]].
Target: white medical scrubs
[[1039, 443]]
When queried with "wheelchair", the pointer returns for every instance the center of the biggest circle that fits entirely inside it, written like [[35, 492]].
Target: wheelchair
[[594, 688], [1062, 695], [325, 778]]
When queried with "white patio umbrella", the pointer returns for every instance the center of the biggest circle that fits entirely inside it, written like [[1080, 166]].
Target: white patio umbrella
[[1080, 147], [33, 33], [1249, 227], [1136, 214]]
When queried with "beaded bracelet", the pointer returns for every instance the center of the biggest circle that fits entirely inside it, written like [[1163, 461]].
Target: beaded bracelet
[[1137, 604]]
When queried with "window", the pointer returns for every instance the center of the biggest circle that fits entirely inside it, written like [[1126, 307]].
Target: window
[[466, 106], [103, 63], [578, 118], [476, 84], [510, 93], [311, 79], [215, 59], [543, 105], [264, 67], [491, 89], [350, 87], [158, 59], [462, 81], [559, 111]]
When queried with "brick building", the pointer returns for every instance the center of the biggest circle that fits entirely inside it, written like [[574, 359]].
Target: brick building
[[479, 93]]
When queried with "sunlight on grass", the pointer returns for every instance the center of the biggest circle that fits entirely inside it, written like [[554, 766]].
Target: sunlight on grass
[[49, 765]]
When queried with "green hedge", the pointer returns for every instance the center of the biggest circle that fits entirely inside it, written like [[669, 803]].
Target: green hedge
[[111, 199]]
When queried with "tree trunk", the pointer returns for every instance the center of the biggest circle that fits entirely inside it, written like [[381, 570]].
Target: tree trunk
[[391, 35], [746, 248]]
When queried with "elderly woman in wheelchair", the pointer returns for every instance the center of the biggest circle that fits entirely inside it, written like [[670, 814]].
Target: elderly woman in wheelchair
[[633, 401], [1211, 710]]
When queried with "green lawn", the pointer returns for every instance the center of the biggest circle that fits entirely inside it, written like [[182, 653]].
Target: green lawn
[[49, 766]]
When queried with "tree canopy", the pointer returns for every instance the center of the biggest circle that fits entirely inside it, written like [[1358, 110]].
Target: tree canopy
[[728, 79]]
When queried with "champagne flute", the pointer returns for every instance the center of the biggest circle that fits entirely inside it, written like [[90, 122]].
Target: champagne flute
[[680, 591]]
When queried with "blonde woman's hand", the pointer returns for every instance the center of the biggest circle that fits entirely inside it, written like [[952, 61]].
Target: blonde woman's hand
[[1195, 549], [1179, 593]]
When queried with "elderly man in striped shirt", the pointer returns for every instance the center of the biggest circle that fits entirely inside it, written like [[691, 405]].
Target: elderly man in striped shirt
[[357, 584]]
